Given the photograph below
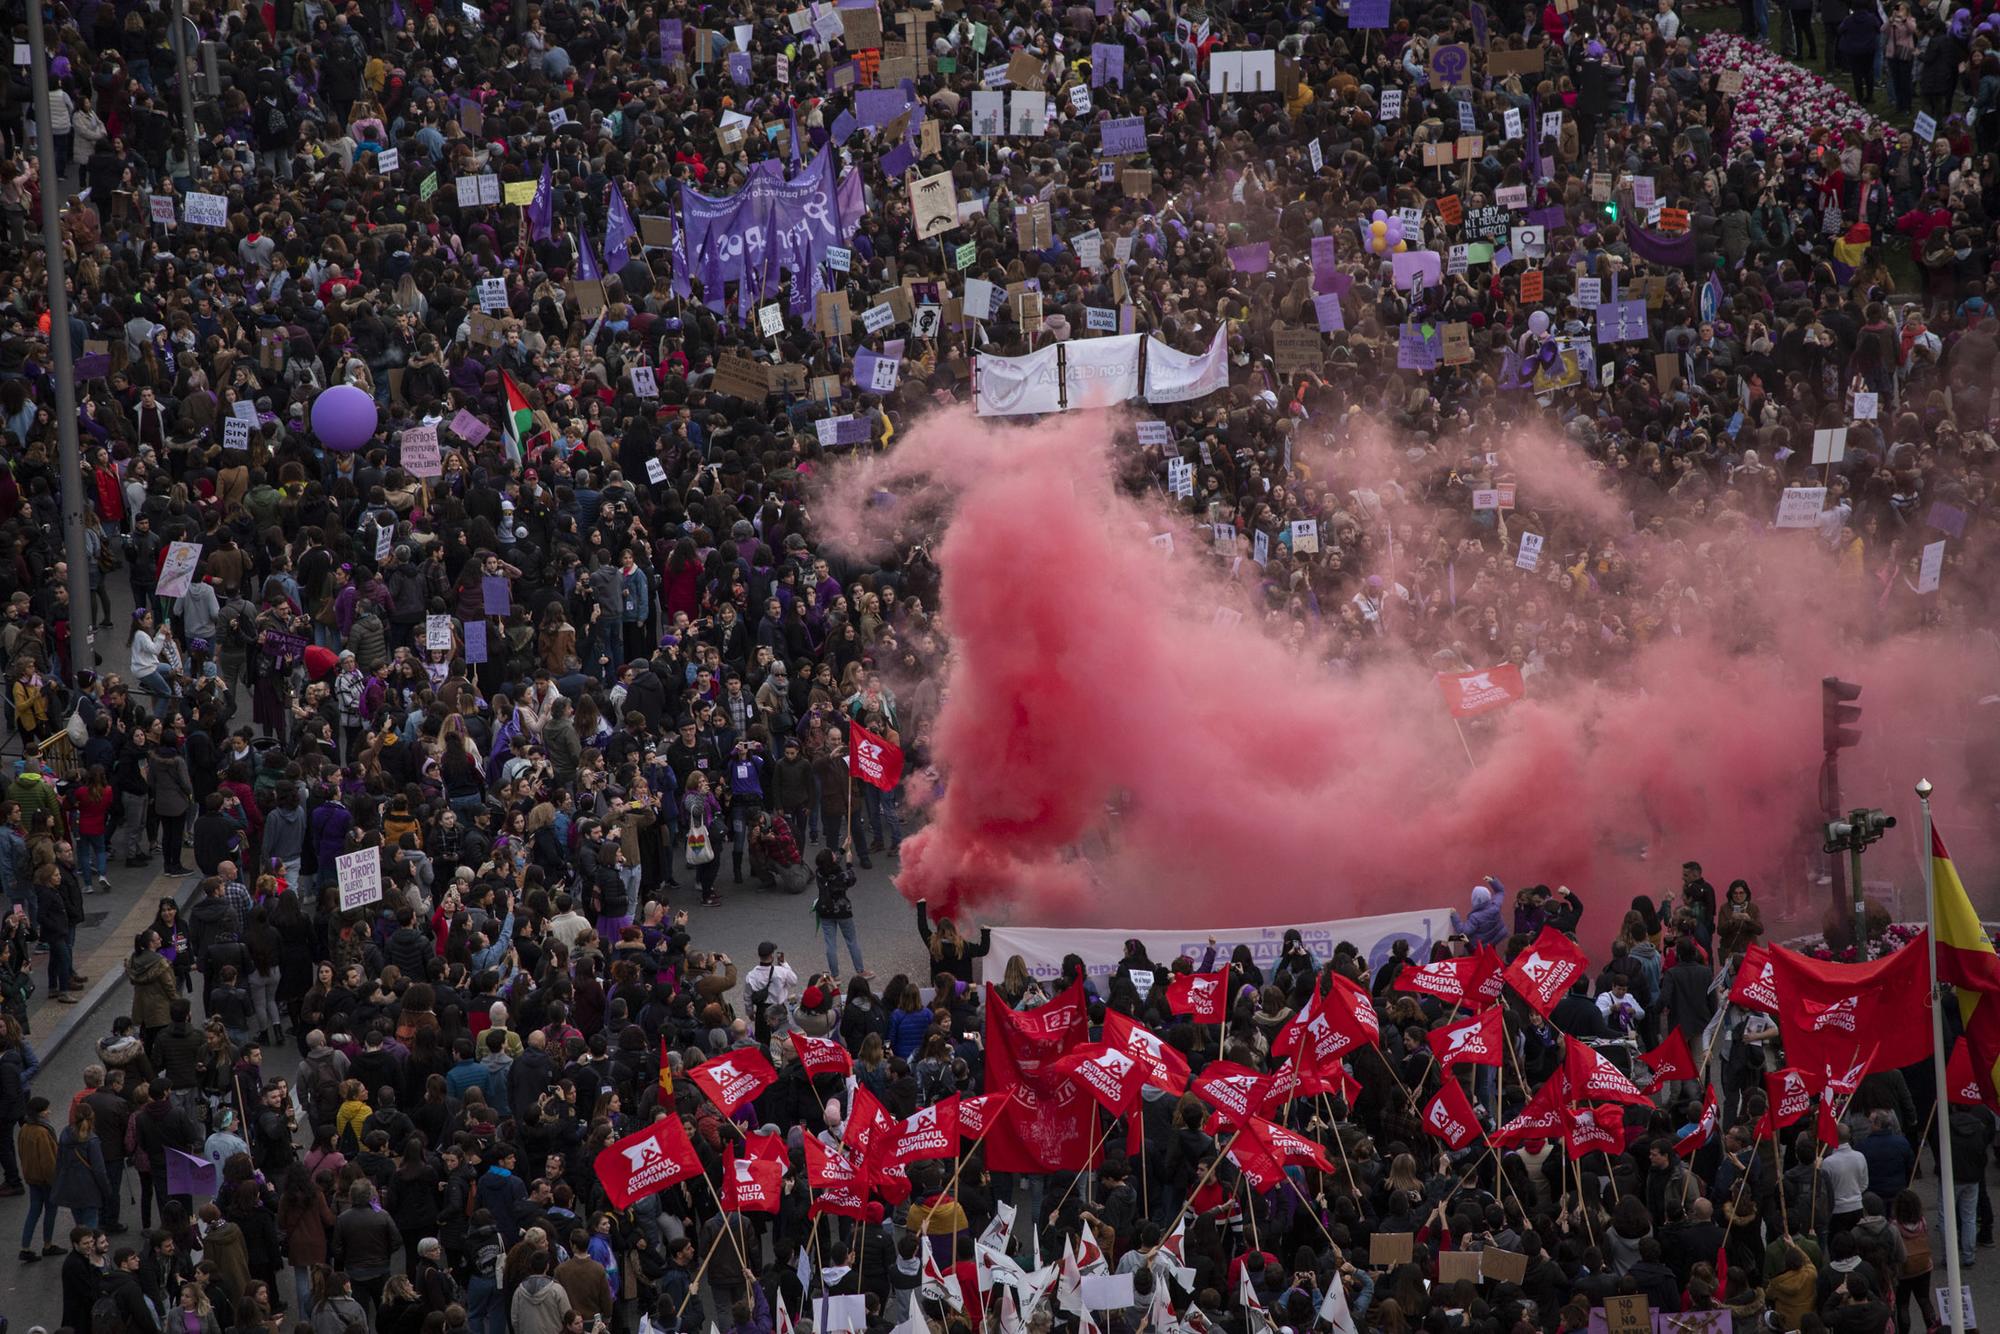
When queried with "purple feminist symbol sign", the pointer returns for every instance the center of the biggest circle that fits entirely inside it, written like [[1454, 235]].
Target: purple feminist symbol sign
[[1450, 62]]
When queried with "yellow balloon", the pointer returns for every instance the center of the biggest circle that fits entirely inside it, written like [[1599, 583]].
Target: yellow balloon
[[1401, 246], [1379, 228]]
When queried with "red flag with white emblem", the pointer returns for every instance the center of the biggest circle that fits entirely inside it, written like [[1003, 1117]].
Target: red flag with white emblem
[[734, 1078], [1449, 1116], [1474, 1041], [1544, 972], [1204, 997]]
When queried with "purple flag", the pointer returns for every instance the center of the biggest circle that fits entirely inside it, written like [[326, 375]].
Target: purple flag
[[792, 135], [1250, 258], [586, 263], [739, 68], [542, 208], [189, 1175], [618, 231]]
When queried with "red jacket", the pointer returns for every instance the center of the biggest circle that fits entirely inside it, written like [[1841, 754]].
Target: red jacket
[[93, 808]]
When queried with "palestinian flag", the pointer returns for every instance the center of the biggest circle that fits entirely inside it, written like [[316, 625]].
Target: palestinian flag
[[520, 420]]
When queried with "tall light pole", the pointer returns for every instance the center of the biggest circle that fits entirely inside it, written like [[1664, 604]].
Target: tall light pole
[[1947, 1184], [82, 627], [185, 78]]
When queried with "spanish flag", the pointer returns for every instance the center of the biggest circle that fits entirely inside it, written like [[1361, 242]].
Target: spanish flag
[[1966, 958]]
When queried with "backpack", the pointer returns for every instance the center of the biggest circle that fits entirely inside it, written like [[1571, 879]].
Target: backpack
[[321, 1091], [276, 123], [105, 1317]]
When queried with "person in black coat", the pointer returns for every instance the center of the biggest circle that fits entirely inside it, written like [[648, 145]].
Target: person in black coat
[[121, 1285], [81, 1280]]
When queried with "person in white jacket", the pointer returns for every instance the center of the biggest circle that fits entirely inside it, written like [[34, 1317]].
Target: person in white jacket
[[88, 130]]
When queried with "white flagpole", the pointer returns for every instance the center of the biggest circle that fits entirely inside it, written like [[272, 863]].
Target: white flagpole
[[1947, 1187]]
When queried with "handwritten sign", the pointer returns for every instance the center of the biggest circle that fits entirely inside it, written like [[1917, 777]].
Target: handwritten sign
[[360, 878]]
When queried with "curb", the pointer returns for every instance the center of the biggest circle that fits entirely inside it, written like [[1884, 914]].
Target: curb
[[100, 990]]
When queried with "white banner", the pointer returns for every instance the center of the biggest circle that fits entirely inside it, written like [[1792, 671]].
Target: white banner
[[359, 875], [1014, 386], [1042, 948], [1177, 377], [1101, 372]]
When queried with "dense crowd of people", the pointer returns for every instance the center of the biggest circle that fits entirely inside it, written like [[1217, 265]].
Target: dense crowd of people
[[558, 630]]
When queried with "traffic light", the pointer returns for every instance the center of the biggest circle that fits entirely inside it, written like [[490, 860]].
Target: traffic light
[[1860, 829], [1836, 712]]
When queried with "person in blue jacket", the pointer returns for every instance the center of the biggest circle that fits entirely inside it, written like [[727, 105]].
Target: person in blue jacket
[[1485, 924]]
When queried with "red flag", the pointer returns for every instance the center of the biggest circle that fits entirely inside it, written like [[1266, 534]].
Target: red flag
[[1255, 1161], [836, 1177], [1165, 1068], [1594, 1130], [751, 1185], [1722, 1272], [975, 1115], [1474, 1041], [1469, 694], [1791, 1091], [1832, 1010], [1546, 970], [867, 1125], [1235, 1091], [734, 1078], [1540, 1119], [1473, 979], [666, 1075], [1204, 996], [1449, 1116], [1106, 1074], [1288, 1146], [1050, 1128], [872, 759], [767, 1148], [647, 1162], [1592, 1078], [1670, 1060], [930, 1132], [1835, 1087], [821, 1056], [1963, 1078], [1704, 1128], [1339, 1018], [1756, 985]]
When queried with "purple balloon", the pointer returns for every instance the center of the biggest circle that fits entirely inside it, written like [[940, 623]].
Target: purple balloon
[[343, 418]]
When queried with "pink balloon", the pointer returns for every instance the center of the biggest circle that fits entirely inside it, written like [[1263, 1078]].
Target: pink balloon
[[343, 418]]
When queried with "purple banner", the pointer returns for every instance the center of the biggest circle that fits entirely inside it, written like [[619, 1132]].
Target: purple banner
[[1549, 218], [673, 46], [772, 224], [739, 68], [897, 161], [844, 126], [1331, 317], [851, 431], [1676, 251], [1250, 258], [475, 641], [1126, 135], [1368, 14], [496, 592], [878, 106]]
